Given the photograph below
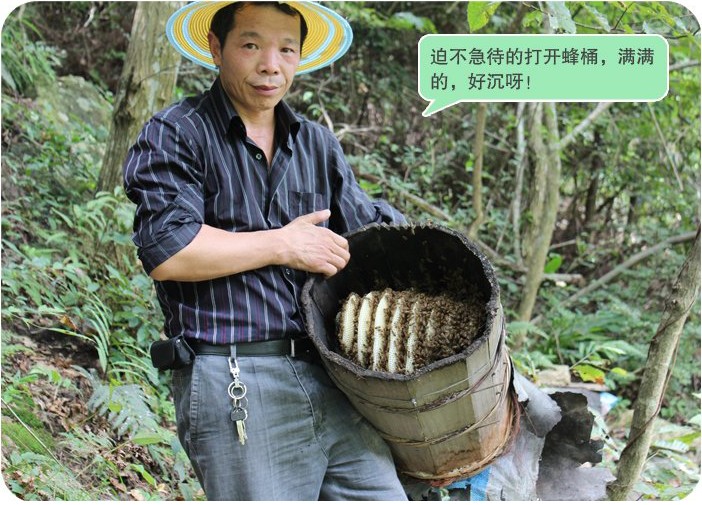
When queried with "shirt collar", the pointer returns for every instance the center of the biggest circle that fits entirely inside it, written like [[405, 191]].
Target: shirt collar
[[287, 122]]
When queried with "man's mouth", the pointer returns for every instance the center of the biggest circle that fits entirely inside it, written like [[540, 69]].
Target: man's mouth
[[266, 87]]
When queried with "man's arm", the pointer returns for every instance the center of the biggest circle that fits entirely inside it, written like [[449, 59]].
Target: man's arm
[[301, 245]]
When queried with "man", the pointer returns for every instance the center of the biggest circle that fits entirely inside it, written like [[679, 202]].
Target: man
[[238, 200]]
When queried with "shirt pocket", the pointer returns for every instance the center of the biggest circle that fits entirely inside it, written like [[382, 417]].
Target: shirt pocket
[[300, 203]]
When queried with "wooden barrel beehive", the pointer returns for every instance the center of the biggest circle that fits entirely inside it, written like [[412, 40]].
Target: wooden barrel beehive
[[449, 418]]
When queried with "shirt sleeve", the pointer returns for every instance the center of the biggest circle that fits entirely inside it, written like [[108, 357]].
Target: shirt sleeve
[[353, 208], [163, 179]]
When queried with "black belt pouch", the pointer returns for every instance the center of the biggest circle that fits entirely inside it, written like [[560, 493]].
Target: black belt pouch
[[171, 354]]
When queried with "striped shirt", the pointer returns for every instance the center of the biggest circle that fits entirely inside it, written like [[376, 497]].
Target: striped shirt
[[193, 164]]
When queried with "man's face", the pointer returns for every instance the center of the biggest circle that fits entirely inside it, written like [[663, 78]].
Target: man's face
[[259, 58]]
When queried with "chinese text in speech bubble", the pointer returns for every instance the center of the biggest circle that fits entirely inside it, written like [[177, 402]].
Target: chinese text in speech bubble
[[565, 68]]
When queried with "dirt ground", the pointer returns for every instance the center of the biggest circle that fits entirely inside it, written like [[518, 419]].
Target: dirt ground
[[61, 406]]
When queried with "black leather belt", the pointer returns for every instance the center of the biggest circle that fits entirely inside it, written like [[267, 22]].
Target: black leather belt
[[295, 348]]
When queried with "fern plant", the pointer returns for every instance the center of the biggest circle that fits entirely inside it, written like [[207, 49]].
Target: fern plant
[[124, 406]]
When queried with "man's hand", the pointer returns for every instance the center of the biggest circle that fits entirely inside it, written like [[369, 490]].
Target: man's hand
[[313, 248]]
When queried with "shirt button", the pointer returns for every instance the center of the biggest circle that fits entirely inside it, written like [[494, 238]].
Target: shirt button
[[287, 271], [258, 156]]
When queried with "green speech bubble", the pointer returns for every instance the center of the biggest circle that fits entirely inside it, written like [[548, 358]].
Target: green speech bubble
[[519, 68]]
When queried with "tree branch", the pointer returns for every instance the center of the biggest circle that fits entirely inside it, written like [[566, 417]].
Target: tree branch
[[664, 145], [414, 199], [636, 258], [521, 161], [683, 64], [596, 112]]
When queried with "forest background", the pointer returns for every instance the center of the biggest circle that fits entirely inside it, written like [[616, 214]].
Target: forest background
[[587, 211]]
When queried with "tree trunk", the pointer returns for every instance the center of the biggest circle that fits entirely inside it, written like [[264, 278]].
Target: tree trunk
[[592, 189], [146, 85], [538, 179], [478, 148], [661, 352], [516, 207], [547, 152]]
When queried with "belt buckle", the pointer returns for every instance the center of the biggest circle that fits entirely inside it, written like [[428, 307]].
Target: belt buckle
[[292, 348]]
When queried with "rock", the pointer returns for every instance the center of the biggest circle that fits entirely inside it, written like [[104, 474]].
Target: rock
[[72, 99], [558, 375]]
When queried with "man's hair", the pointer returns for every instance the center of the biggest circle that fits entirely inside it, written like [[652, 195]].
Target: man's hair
[[224, 19]]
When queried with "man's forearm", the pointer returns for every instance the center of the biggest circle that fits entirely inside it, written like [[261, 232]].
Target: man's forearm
[[301, 244], [217, 253]]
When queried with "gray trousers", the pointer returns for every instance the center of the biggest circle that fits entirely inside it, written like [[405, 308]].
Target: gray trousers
[[305, 440]]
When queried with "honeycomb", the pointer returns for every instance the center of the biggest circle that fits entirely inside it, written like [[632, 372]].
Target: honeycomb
[[403, 331]]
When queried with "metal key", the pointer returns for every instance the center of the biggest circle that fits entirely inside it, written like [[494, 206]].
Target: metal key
[[237, 392], [239, 415]]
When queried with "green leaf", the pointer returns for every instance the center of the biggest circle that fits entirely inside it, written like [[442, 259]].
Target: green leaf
[[145, 475], [532, 19], [479, 13], [524, 326], [560, 17], [147, 438], [589, 373], [689, 438], [408, 20], [671, 445], [600, 18], [553, 264]]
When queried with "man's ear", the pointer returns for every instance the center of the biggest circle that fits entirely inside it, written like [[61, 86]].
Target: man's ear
[[215, 48]]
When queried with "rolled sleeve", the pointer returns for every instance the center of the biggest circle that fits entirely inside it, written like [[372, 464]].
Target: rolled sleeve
[[161, 178], [169, 231]]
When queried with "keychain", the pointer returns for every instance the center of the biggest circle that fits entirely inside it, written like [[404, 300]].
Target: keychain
[[237, 392]]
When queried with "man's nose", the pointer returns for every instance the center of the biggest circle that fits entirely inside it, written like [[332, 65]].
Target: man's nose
[[269, 62]]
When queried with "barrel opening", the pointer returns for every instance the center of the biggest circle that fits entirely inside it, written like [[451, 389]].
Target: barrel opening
[[429, 259]]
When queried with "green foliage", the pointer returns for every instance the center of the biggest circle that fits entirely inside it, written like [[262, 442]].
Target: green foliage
[[27, 431], [553, 264], [30, 468], [367, 15], [25, 61], [559, 17], [69, 269], [29, 434], [479, 14], [125, 407], [92, 37], [34, 477], [591, 344]]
